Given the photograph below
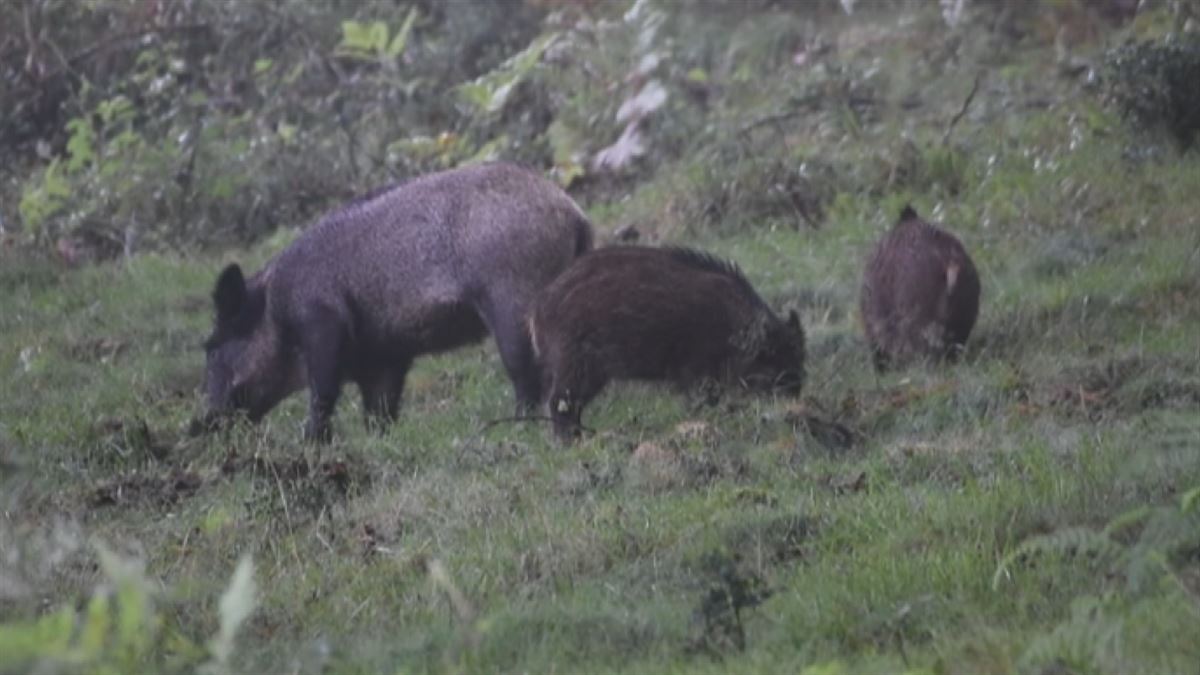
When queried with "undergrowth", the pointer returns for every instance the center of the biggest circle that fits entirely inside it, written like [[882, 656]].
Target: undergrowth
[[1031, 508]]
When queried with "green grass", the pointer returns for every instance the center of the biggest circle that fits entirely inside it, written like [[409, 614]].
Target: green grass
[[1076, 403]]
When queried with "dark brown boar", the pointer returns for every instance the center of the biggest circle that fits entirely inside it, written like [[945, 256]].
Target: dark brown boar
[[920, 293], [425, 266], [670, 314]]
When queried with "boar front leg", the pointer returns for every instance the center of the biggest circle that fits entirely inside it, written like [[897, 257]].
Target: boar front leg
[[322, 346], [381, 394]]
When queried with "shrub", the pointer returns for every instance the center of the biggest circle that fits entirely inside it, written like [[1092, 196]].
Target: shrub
[[1154, 85]]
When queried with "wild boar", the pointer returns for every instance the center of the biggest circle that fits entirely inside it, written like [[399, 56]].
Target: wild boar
[[425, 266], [920, 293], [656, 314]]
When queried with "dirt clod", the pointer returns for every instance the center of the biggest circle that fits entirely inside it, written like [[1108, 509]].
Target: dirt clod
[[146, 490]]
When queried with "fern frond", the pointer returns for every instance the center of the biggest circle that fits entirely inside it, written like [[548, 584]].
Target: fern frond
[[1067, 541], [1089, 641], [1128, 519], [1190, 500]]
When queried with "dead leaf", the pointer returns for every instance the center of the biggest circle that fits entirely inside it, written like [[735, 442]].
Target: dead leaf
[[618, 155]]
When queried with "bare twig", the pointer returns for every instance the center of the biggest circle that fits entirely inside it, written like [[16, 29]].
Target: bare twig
[[811, 102], [962, 111], [351, 142], [31, 59], [134, 35], [67, 66], [798, 206], [516, 419], [186, 176], [802, 106]]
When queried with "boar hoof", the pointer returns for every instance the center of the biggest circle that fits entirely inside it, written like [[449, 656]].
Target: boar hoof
[[318, 433], [197, 427], [207, 424]]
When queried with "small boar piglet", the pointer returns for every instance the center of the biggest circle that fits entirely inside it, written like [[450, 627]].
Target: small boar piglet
[[920, 293]]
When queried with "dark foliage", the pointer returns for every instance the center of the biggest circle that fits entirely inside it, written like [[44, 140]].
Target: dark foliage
[[717, 622], [1154, 85], [149, 124]]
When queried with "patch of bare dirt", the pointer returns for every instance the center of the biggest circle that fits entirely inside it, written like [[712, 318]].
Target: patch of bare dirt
[[129, 438], [830, 433], [141, 489], [97, 350], [339, 474]]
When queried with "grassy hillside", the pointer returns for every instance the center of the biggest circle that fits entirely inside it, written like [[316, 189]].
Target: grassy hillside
[[1031, 509]]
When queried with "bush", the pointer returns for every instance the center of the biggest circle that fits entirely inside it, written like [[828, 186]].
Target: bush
[[193, 123], [1154, 85]]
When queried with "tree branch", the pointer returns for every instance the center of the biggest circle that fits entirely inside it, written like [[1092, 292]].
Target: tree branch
[[963, 111]]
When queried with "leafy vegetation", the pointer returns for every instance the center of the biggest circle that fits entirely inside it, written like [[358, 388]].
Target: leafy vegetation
[[119, 631], [1030, 509], [1153, 85]]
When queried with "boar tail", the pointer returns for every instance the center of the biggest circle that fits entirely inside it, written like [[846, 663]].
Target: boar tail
[[583, 235], [951, 277], [531, 326]]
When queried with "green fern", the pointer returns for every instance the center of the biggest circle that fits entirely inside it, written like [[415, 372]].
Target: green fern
[[1068, 541], [1190, 499], [1127, 520], [1092, 639], [1165, 534], [1088, 642], [1167, 543]]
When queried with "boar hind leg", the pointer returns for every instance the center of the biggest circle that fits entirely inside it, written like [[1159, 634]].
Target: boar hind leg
[[880, 359], [381, 393], [322, 345], [507, 324]]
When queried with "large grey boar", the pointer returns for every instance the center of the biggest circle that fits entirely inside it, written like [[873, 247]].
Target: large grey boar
[[672, 314], [920, 293], [426, 266]]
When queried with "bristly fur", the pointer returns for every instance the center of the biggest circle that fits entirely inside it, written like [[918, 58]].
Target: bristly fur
[[674, 315], [703, 260], [417, 267], [908, 213], [371, 195]]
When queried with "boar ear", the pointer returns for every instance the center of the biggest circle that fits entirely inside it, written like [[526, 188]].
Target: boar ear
[[793, 320], [908, 213], [230, 294]]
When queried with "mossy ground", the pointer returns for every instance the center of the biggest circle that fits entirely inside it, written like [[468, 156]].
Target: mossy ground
[[874, 512]]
